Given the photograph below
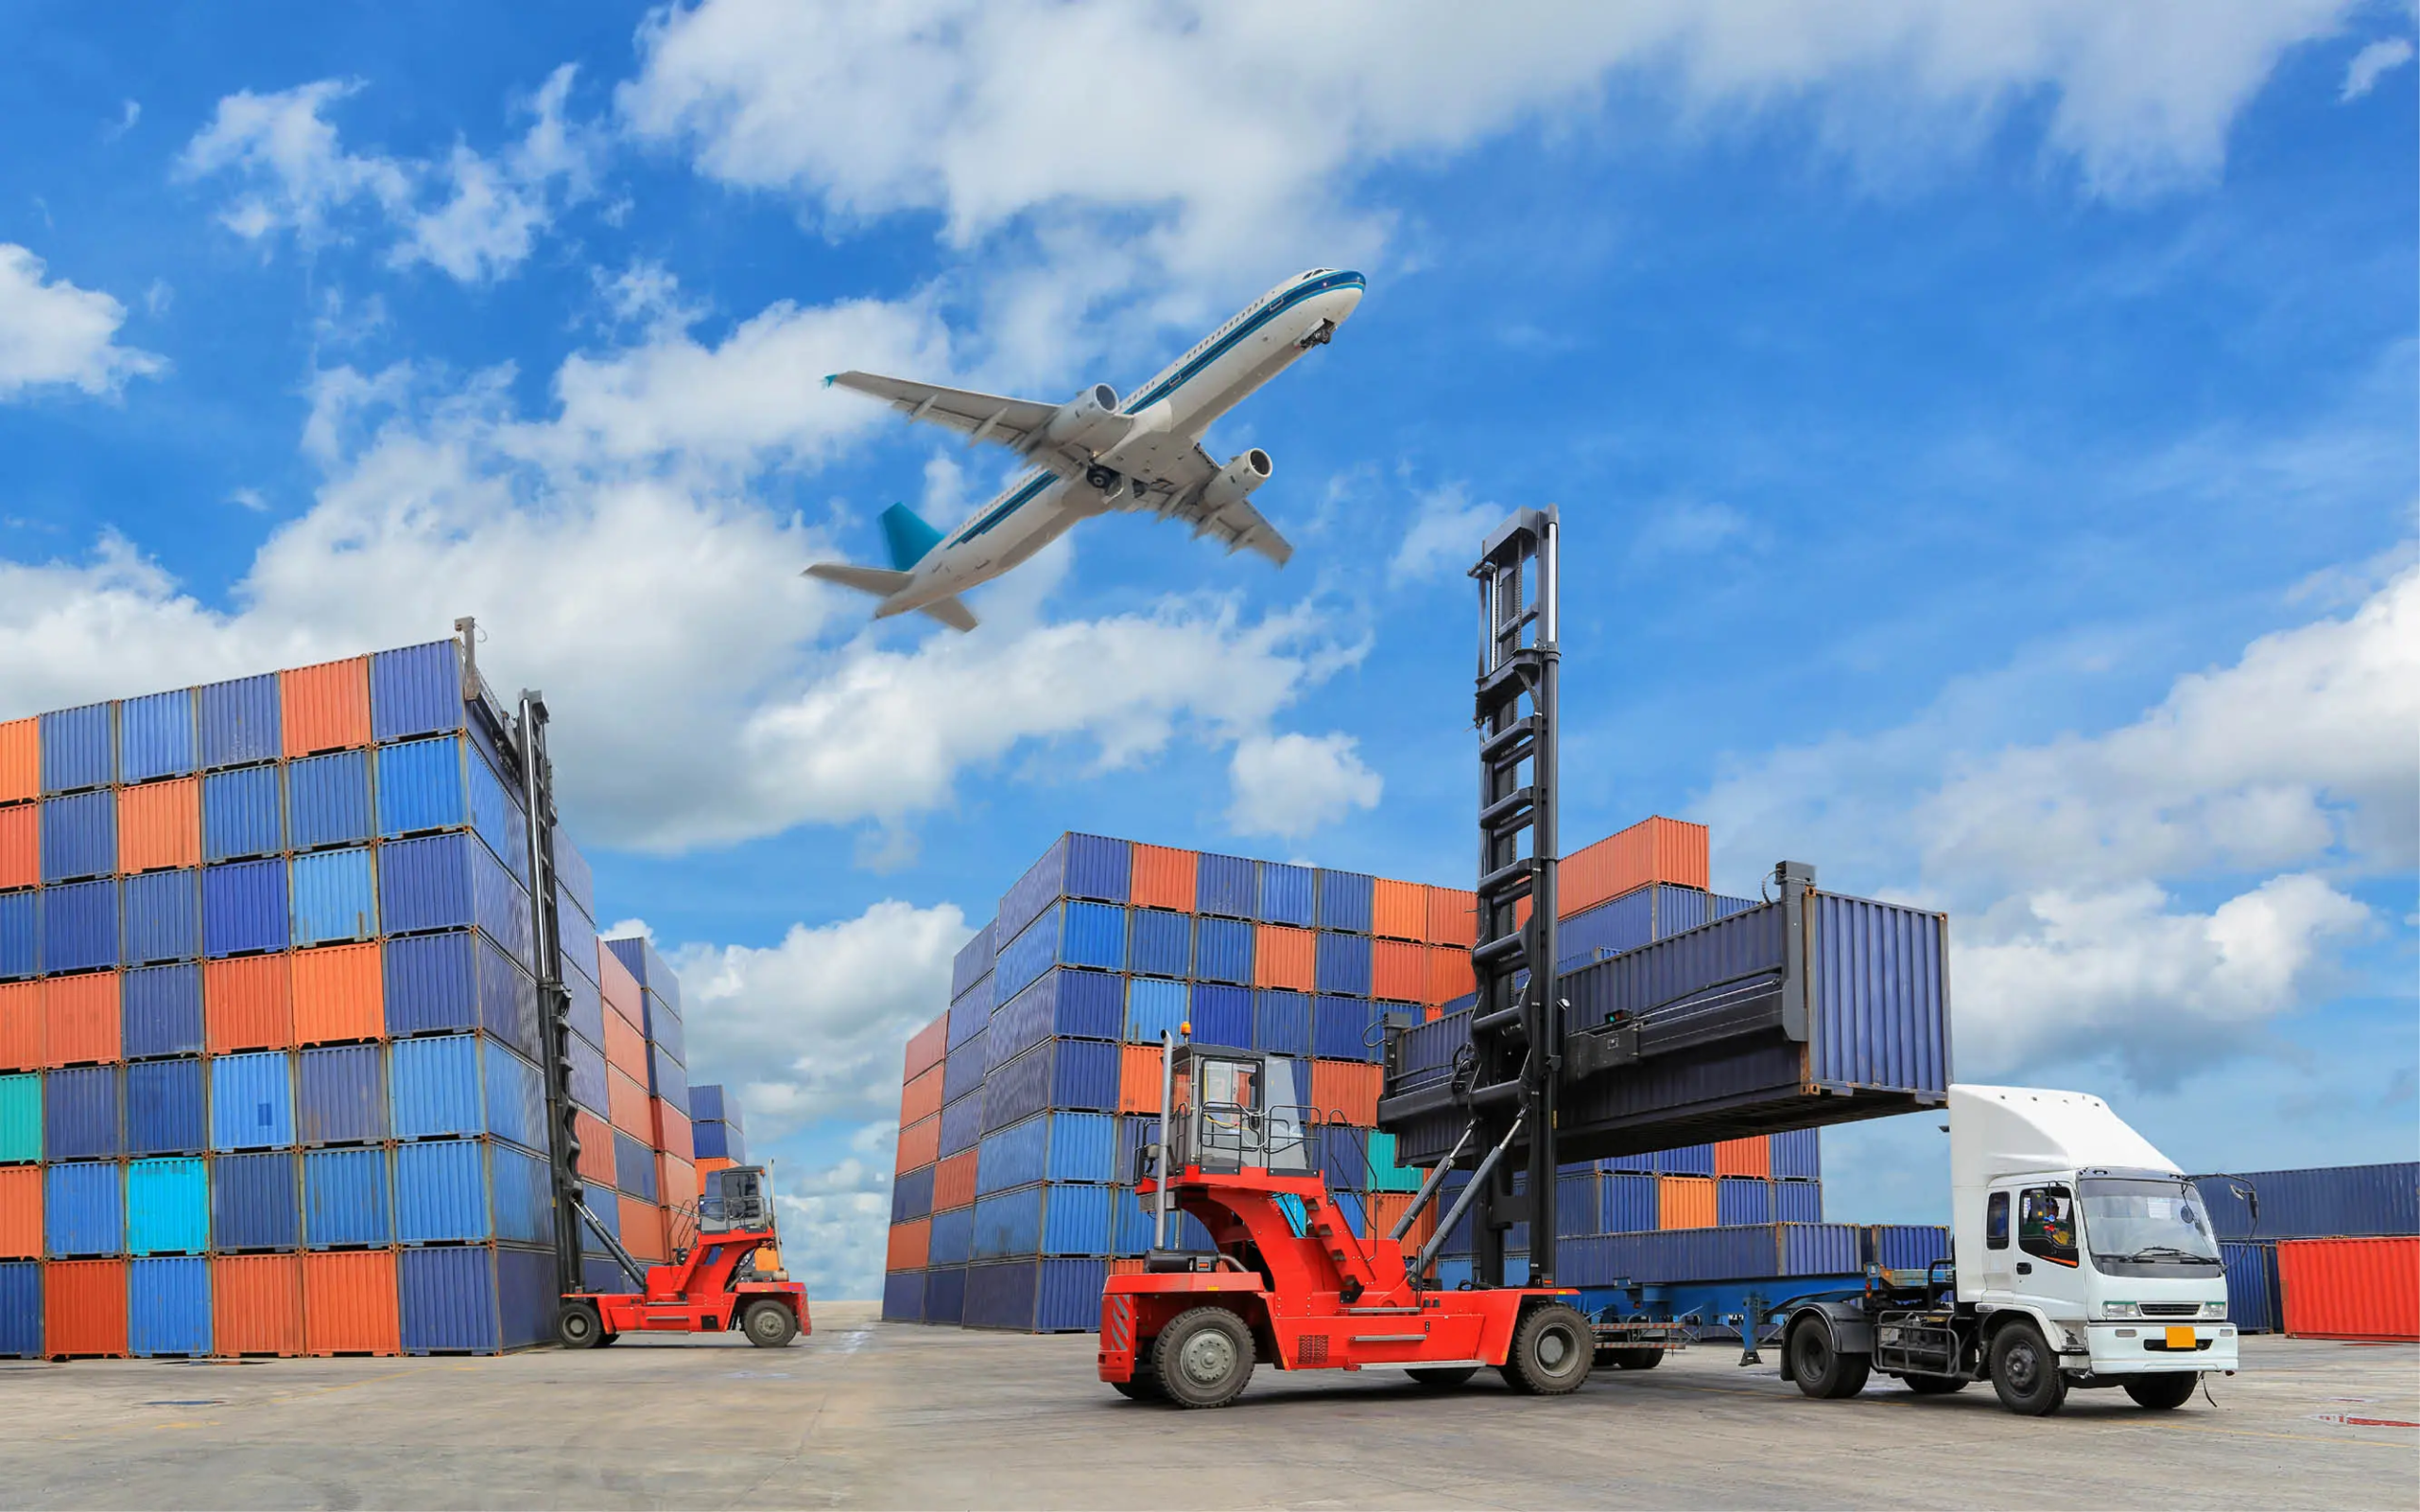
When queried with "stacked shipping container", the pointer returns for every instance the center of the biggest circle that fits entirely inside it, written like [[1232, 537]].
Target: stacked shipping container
[[2333, 1253]]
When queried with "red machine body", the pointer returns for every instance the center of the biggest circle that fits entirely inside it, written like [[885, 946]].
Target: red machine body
[[710, 1287], [1304, 1293]]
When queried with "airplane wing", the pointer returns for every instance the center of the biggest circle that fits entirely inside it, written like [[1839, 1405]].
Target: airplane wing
[[1176, 476], [1015, 423]]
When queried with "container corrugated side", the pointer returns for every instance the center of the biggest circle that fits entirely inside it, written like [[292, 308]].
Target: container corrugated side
[[2253, 1305], [19, 845], [1342, 964], [239, 721], [416, 690], [244, 908], [470, 1189], [327, 801], [346, 1197], [1153, 1008], [20, 935], [161, 920], [1878, 996], [21, 1309], [478, 1299], [167, 1207], [338, 993], [84, 1308], [1162, 878], [1797, 1154], [1223, 950], [79, 836], [242, 813], [162, 1011], [452, 881], [168, 1312], [248, 1004], [1079, 1004], [256, 1305], [159, 825], [2365, 1288], [1345, 900], [83, 1208], [1906, 1245], [324, 707], [1160, 943], [1281, 1022], [972, 961], [80, 926], [2320, 1202], [80, 1114], [257, 1201], [1035, 891], [156, 736], [349, 1304], [167, 1106], [342, 1094], [1283, 895], [1221, 1015], [455, 981], [903, 1296], [20, 760], [251, 1101], [79, 748], [1226, 886]]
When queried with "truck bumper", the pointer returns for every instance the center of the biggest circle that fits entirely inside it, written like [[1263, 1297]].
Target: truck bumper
[[2140, 1349]]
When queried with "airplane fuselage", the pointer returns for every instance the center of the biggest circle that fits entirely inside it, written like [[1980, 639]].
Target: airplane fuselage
[[1256, 344]]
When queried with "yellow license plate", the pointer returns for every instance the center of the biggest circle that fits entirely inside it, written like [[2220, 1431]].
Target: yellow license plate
[[2180, 1338]]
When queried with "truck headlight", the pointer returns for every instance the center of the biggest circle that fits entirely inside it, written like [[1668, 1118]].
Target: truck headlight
[[2214, 1309], [2118, 1309]]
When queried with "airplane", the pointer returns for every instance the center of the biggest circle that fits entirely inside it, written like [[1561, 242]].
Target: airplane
[[1093, 455]]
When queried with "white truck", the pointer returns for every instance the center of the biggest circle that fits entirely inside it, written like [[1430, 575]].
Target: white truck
[[2080, 1257]]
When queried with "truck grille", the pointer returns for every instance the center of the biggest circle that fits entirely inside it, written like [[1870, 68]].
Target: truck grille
[[2171, 1310]]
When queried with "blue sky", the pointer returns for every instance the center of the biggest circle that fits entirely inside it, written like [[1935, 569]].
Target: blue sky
[[1985, 440]]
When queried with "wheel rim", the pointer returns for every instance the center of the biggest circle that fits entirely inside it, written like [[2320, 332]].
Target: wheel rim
[[1555, 1349], [767, 1323], [2024, 1367], [1207, 1357], [576, 1327], [1814, 1353]]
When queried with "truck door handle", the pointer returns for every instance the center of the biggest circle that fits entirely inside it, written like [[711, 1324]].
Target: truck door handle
[[2025, 1267]]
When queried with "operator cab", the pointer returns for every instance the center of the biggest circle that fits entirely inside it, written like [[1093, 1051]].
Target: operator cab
[[735, 1198], [1236, 1111]]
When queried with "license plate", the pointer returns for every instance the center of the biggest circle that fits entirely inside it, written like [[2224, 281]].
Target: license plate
[[2180, 1338]]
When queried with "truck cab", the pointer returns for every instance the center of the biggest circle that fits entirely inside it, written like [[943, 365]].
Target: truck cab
[[2080, 1258]]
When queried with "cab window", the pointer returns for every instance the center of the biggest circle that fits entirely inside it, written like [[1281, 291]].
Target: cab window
[[1995, 1222], [2046, 1224]]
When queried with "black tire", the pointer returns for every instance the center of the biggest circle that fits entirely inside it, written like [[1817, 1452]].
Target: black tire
[[1554, 1349], [1140, 1386], [1104, 479], [1443, 1377], [1822, 1372], [1935, 1385], [1204, 1358], [768, 1325], [2165, 1392], [1630, 1359], [2025, 1372], [577, 1327]]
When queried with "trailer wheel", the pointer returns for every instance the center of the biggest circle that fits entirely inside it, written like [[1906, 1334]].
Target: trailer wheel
[[2026, 1373], [1204, 1358], [1554, 1348], [2165, 1392], [1630, 1359], [1443, 1377], [768, 1325], [1934, 1385], [577, 1327], [1822, 1372]]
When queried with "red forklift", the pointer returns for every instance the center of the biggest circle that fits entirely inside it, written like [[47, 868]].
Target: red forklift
[[711, 1286]]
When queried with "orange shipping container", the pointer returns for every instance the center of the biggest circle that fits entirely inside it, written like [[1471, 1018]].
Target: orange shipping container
[[21, 1026], [1685, 1202], [676, 1183], [1164, 878], [642, 1229], [621, 989], [1654, 849], [1449, 974], [325, 707], [256, 1305], [1346, 1092], [921, 1097], [953, 1185], [624, 1047], [596, 1146], [1282, 957], [2351, 1288], [1747, 1156], [349, 1304], [79, 1019], [1399, 970], [83, 1308], [910, 1245], [1138, 1079], [20, 1213], [20, 761], [159, 824], [928, 1045], [626, 1105], [920, 1143], [1399, 910], [1453, 917], [673, 1133], [709, 1166], [248, 1004], [1126, 1267], [19, 845], [1385, 1209], [339, 994]]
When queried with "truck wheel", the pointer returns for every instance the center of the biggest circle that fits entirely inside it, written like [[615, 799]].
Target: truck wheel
[[768, 1325], [1822, 1372], [1448, 1376], [1204, 1358], [1935, 1385], [2165, 1392], [1554, 1348], [2026, 1373], [577, 1327]]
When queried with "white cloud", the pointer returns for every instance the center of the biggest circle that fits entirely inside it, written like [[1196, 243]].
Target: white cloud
[[51, 332], [836, 1218], [2373, 63], [1289, 785], [2059, 859], [1683, 527], [1445, 535], [813, 1028], [300, 179]]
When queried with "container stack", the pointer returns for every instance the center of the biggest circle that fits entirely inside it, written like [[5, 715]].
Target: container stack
[[716, 1129], [268, 1030], [1023, 1103], [2333, 1253], [648, 1101]]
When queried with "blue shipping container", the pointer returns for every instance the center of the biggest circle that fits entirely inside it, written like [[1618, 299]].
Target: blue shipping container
[[167, 1108], [345, 1197], [335, 897], [20, 1310], [1345, 900], [1798, 1154], [1036, 1296], [252, 1102], [635, 1166], [2321, 1202], [1079, 1075], [961, 1072], [1076, 866], [342, 1094], [1689, 1160], [667, 1078], [2254, 1302], [1223, 950], [243, 908], [1162, 943], [80, 926], [903, 1296], [456, 981], [971, 963], [162, 919], [961, 1128], [952, 1237], [1345, 1029], [1742, 1200], [1051, 1147], [911, 1196], [1082, 1004], [167, 1307], [255, 1202], [79, 748], [239, 721], [167, 1207], [452, 881], [20, 935], [463, 1190], [1281, 1022], [155, 736], [706, 1100], [1285, 895], [480, 1298], [79, 1114], [1906, 1245], [1626, 1204], [327, 801], [1221, 1015], [1342, 964], [83, 1208], [242, 814], [416, 690], [1154, 1008], [79, 836], [1224, 885], [944, 1294], [1798, 1201], [1637, 917]]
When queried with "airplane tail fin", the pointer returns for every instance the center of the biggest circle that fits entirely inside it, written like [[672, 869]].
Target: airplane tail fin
[[872, 580], [950, 612], [910, 540]]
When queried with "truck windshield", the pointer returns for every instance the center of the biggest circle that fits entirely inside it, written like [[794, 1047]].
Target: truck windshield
[[2134, 1223]]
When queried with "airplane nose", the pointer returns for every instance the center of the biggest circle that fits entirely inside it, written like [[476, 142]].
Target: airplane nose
[[1348, 297]]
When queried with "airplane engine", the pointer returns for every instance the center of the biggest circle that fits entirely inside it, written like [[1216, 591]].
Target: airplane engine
[[1237, 479], [1086, 416]]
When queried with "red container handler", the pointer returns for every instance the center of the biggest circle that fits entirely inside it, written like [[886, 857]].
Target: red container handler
[[83, 1309], [2365, 1289]]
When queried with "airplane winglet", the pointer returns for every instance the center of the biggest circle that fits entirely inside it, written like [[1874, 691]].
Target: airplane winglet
[[830, 378]]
